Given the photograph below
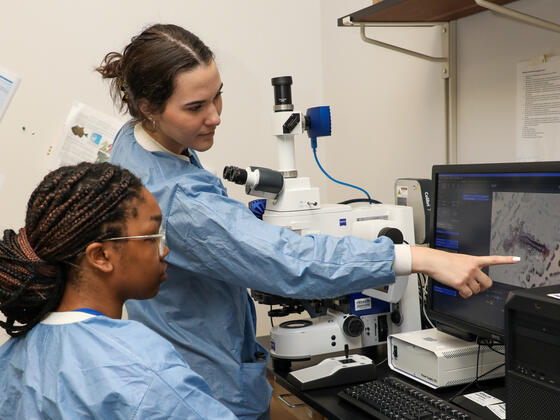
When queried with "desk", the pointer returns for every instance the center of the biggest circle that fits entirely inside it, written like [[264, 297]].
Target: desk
[[327, 403]]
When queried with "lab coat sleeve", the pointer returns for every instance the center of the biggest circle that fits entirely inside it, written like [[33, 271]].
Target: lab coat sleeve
[[219, 237]]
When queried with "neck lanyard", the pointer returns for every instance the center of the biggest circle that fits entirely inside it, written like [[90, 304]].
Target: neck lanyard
[[89, 311]]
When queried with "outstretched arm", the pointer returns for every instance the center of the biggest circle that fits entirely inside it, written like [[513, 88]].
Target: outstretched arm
[[460, 271]]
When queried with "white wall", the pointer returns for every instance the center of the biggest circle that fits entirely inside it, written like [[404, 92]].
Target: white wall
[[388, 115], [489, 48], [56, 45], [387, 108]]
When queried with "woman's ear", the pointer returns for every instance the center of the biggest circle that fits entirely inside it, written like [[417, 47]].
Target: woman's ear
[[98, 257], [144, 108]]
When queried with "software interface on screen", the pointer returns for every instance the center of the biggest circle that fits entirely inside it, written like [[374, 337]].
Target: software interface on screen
[[498, 213]]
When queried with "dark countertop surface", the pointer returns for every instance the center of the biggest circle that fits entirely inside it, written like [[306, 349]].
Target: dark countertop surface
[[326, 401]]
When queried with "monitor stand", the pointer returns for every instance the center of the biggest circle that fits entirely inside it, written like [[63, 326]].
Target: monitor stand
[[463, 335]]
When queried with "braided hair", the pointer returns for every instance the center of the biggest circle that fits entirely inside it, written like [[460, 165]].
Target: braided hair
[[147, 67], [72, 207]]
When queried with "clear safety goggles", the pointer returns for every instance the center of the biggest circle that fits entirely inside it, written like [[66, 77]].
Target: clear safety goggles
[[158, 238]]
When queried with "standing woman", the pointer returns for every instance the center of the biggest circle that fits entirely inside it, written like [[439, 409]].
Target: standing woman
[[92, 239], [166, 78]]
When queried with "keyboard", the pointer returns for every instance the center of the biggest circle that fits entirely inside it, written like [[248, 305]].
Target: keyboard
[[391, 398]]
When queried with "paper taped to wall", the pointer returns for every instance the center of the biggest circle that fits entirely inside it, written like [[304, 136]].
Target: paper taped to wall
[[88, 136], [538, 109], [9, 82]]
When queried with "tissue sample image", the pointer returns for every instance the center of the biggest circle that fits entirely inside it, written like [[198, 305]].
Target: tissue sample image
[[526, 225]]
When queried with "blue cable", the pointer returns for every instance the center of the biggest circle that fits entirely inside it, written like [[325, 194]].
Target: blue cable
[[314, 147]]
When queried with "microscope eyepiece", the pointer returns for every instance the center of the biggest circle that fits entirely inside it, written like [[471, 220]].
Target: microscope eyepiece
[[282, 81], [235, 174], [282, 93]]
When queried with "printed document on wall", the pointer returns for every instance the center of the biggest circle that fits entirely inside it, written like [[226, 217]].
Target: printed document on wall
[[88, 136], [538, 109], [8, 84]]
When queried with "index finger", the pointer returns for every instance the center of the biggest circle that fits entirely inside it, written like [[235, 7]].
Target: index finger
[[497, 259]]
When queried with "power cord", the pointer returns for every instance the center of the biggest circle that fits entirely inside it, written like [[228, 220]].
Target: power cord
[[489, 344], [380, 363], [424, 284], [314, 147]]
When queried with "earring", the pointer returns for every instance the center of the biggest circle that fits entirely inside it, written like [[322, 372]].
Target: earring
[[153, 123]]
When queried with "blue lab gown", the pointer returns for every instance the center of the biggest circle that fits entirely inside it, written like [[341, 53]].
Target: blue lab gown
[[100, 368], [218, 249]]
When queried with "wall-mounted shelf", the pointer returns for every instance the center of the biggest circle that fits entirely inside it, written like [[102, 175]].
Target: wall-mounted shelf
[[416, 11]]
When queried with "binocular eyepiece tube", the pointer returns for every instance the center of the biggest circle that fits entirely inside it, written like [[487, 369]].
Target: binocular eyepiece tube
[[282, 93]]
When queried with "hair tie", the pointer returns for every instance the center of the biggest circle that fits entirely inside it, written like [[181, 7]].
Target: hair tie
[[43, 267], [25, 246], [125, 92]]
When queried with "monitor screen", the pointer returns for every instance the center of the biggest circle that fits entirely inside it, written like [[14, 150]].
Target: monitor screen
[[494, 209]]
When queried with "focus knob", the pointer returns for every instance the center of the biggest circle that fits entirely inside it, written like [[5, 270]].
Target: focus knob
[[393, 234], [353, 326]]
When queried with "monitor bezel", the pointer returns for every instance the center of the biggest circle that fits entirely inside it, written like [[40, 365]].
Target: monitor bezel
[[446, 322]]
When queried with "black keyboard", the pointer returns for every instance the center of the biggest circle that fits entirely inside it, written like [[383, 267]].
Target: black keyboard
[[391, 398]]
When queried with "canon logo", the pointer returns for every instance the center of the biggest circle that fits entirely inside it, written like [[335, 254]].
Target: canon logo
[[427, 199]]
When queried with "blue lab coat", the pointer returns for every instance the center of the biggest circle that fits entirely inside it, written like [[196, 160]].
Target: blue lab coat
[[99, 368], [218, 249]]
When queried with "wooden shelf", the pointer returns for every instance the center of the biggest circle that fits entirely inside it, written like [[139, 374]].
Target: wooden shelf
[[417, 11]]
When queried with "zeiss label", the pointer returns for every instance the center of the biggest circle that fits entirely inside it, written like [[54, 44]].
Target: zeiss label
[[362, 304], [342, 222]]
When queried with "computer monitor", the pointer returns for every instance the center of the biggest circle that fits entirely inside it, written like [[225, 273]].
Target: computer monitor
[[494, 209]]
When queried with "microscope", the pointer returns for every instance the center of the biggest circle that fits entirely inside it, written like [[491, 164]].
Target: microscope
[[354, 321]]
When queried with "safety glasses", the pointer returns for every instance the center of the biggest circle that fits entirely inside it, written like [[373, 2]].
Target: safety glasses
[[158, 238]]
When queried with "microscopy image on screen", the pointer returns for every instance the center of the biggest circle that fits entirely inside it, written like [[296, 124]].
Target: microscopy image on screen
[[526, 225]]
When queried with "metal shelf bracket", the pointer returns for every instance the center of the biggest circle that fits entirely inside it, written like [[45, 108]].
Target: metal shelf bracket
[[444, 40], [448, 70], [541, 23], [444, 32]]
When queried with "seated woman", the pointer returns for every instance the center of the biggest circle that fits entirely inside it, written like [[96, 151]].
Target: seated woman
[[92, 239]]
